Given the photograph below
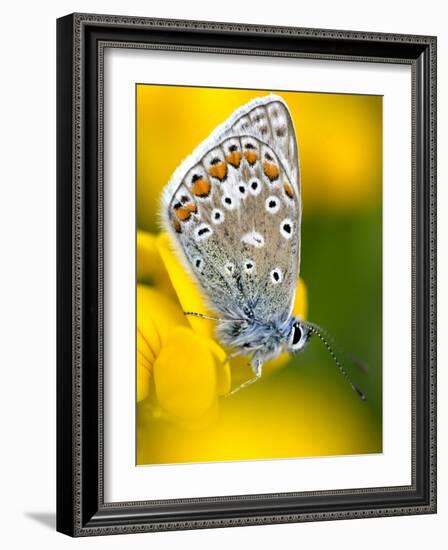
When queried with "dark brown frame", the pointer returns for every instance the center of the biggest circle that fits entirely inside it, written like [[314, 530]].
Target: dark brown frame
[[81, 39]]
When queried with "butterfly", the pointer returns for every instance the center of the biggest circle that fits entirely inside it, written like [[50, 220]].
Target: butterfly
[[233, 208]]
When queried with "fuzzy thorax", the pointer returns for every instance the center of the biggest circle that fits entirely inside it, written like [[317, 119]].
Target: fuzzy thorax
[[267, 340]]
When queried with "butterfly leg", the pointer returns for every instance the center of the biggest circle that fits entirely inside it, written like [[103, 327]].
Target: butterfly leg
[[257, 365], [231, 356]]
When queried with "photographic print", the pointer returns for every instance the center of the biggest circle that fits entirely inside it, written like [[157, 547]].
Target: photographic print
[[246, 274], [258, 274]]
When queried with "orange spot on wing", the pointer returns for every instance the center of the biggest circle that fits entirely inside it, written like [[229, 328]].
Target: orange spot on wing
[[251, 157], [191, 207], [182, 213], [201, 188], [234, 158], [176, 225], [271, 170], [218, 170], [288, 190]]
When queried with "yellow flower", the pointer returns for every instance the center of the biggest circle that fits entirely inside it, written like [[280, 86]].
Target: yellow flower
[[181, 369]]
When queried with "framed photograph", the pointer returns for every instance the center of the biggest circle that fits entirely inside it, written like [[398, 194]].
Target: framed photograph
[[246, 274]]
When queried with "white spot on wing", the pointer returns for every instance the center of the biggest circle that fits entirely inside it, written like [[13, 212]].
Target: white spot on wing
[[203, 231], [272, 204], [228, 202], [286, 228], [242, 189], [217, 216], [254, 187], [276, 276], [253, 238]]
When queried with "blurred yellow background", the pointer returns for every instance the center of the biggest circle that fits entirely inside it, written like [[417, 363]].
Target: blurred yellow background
[[302, 407], [340, 142]]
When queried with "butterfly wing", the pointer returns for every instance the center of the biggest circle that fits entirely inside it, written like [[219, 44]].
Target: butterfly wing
[[234, 211], [270, 121]]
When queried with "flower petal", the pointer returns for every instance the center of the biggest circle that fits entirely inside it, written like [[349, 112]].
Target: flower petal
[[223, 377], [156, 317], [150, 267], [301, 301], [185, 375], [144, 375], [188, 292]]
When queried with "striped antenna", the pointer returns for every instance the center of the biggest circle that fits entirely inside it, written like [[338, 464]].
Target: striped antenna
[[337, 348], [221, 320], [314, 329]]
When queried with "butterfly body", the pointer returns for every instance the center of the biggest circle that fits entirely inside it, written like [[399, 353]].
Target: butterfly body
[[233, 209], [261, 340]]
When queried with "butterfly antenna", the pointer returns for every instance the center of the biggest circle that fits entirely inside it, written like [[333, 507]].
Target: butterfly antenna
[[350, 358], [344, 373]]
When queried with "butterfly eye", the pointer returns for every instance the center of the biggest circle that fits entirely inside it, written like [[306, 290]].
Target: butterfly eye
[[296, 335]]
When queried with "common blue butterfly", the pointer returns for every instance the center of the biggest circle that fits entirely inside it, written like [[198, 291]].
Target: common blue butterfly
[[233, 208]]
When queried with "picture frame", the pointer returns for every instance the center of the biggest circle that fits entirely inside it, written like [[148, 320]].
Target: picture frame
[[82, 509]]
